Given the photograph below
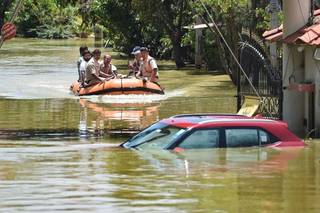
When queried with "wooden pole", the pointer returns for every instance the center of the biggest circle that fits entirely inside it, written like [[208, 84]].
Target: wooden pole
[[198, 45], [274, 23]]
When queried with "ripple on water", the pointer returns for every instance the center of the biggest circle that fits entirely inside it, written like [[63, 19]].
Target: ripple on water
[[148, 98]]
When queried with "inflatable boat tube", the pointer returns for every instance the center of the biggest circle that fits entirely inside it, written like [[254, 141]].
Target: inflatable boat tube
[[123, 86]]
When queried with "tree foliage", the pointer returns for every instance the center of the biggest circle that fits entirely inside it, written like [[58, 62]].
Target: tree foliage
[[4, 7], [158, 24], [46, 19], [170, 16], [121, 27]]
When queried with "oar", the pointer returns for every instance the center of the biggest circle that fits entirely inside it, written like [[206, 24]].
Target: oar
[[15, 14]]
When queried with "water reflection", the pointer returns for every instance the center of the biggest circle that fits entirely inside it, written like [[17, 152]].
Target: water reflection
[[44, 167], [224, 180], [243, 160], [122, 119]]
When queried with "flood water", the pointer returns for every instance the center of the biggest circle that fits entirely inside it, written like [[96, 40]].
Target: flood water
[[58, 152]]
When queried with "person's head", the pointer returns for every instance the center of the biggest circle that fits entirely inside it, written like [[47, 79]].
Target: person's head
[[96, 54], [86, 55], [136, 52], [144, 52], [82, 49], [106, 59]]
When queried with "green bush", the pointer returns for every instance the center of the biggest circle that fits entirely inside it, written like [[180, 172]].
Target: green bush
[[45, 19]]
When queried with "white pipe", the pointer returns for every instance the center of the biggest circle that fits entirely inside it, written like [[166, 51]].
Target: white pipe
[[296, 15]]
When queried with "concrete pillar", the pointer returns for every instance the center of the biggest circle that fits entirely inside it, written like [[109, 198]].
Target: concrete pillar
[[317, 101], [296, 15], [312, 76], [198, 45], [293, 101]]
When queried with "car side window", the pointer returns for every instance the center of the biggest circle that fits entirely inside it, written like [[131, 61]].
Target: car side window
[[245, 137], [201, 139], [242, 137]]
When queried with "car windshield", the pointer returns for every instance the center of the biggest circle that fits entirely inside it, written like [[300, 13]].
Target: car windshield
[[156, 136]]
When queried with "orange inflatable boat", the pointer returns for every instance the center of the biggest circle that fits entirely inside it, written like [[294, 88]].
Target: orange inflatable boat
[[122, 86]]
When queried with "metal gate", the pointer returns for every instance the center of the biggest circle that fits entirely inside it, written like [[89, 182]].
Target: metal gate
[[266, 80]]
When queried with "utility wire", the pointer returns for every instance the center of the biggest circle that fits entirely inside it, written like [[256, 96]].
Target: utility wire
[[231, 52]]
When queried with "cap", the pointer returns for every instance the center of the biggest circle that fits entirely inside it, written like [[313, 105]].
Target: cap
[[136, 50], [144, 49]]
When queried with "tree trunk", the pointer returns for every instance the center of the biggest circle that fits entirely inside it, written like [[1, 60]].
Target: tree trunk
[[177, 50]]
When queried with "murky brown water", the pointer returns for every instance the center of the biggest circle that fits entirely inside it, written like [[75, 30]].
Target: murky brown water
[[58, 153]]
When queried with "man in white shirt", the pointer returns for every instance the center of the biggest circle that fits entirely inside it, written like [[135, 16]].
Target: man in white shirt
[[86, 56], [82, 49]]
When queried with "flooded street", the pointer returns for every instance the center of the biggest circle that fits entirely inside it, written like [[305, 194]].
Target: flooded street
[[59, 153]]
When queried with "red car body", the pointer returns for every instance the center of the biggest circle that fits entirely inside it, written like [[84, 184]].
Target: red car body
[[271, 133]]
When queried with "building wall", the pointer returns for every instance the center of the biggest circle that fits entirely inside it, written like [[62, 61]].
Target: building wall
[[293, 101], [310, 76], [301, 67], [313, 75], [295, 63]]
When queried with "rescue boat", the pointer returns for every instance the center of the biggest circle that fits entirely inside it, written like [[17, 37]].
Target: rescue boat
[[121, 86]]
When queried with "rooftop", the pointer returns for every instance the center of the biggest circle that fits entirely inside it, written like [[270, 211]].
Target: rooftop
[[309, 35]]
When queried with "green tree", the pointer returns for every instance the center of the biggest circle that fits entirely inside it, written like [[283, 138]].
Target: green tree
[[46, 19], [123, 28], [170, 16], [84, 10], [231, 16], [4, 7]]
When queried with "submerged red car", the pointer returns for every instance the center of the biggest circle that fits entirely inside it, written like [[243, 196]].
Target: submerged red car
[[198, 131]]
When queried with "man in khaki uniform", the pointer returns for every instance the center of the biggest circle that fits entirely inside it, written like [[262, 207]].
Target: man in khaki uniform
[[92, 73], [148, 68]]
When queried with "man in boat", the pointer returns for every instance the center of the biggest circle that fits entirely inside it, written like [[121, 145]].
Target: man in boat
[[92, 71], [81, 51], [135, 66], [86, 56], [108, 70], [148, 68]]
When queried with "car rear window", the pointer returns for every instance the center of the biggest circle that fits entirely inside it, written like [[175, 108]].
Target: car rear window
[[244, 137]]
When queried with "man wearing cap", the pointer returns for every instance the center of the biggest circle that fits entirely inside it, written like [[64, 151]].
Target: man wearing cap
[[148, 68], [135, 66]]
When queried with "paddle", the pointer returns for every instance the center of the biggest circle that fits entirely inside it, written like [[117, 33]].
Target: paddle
[[8, 30]]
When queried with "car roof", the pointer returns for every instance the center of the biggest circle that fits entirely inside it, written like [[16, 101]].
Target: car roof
[[277, 128], [188, 120], [205, 120]]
